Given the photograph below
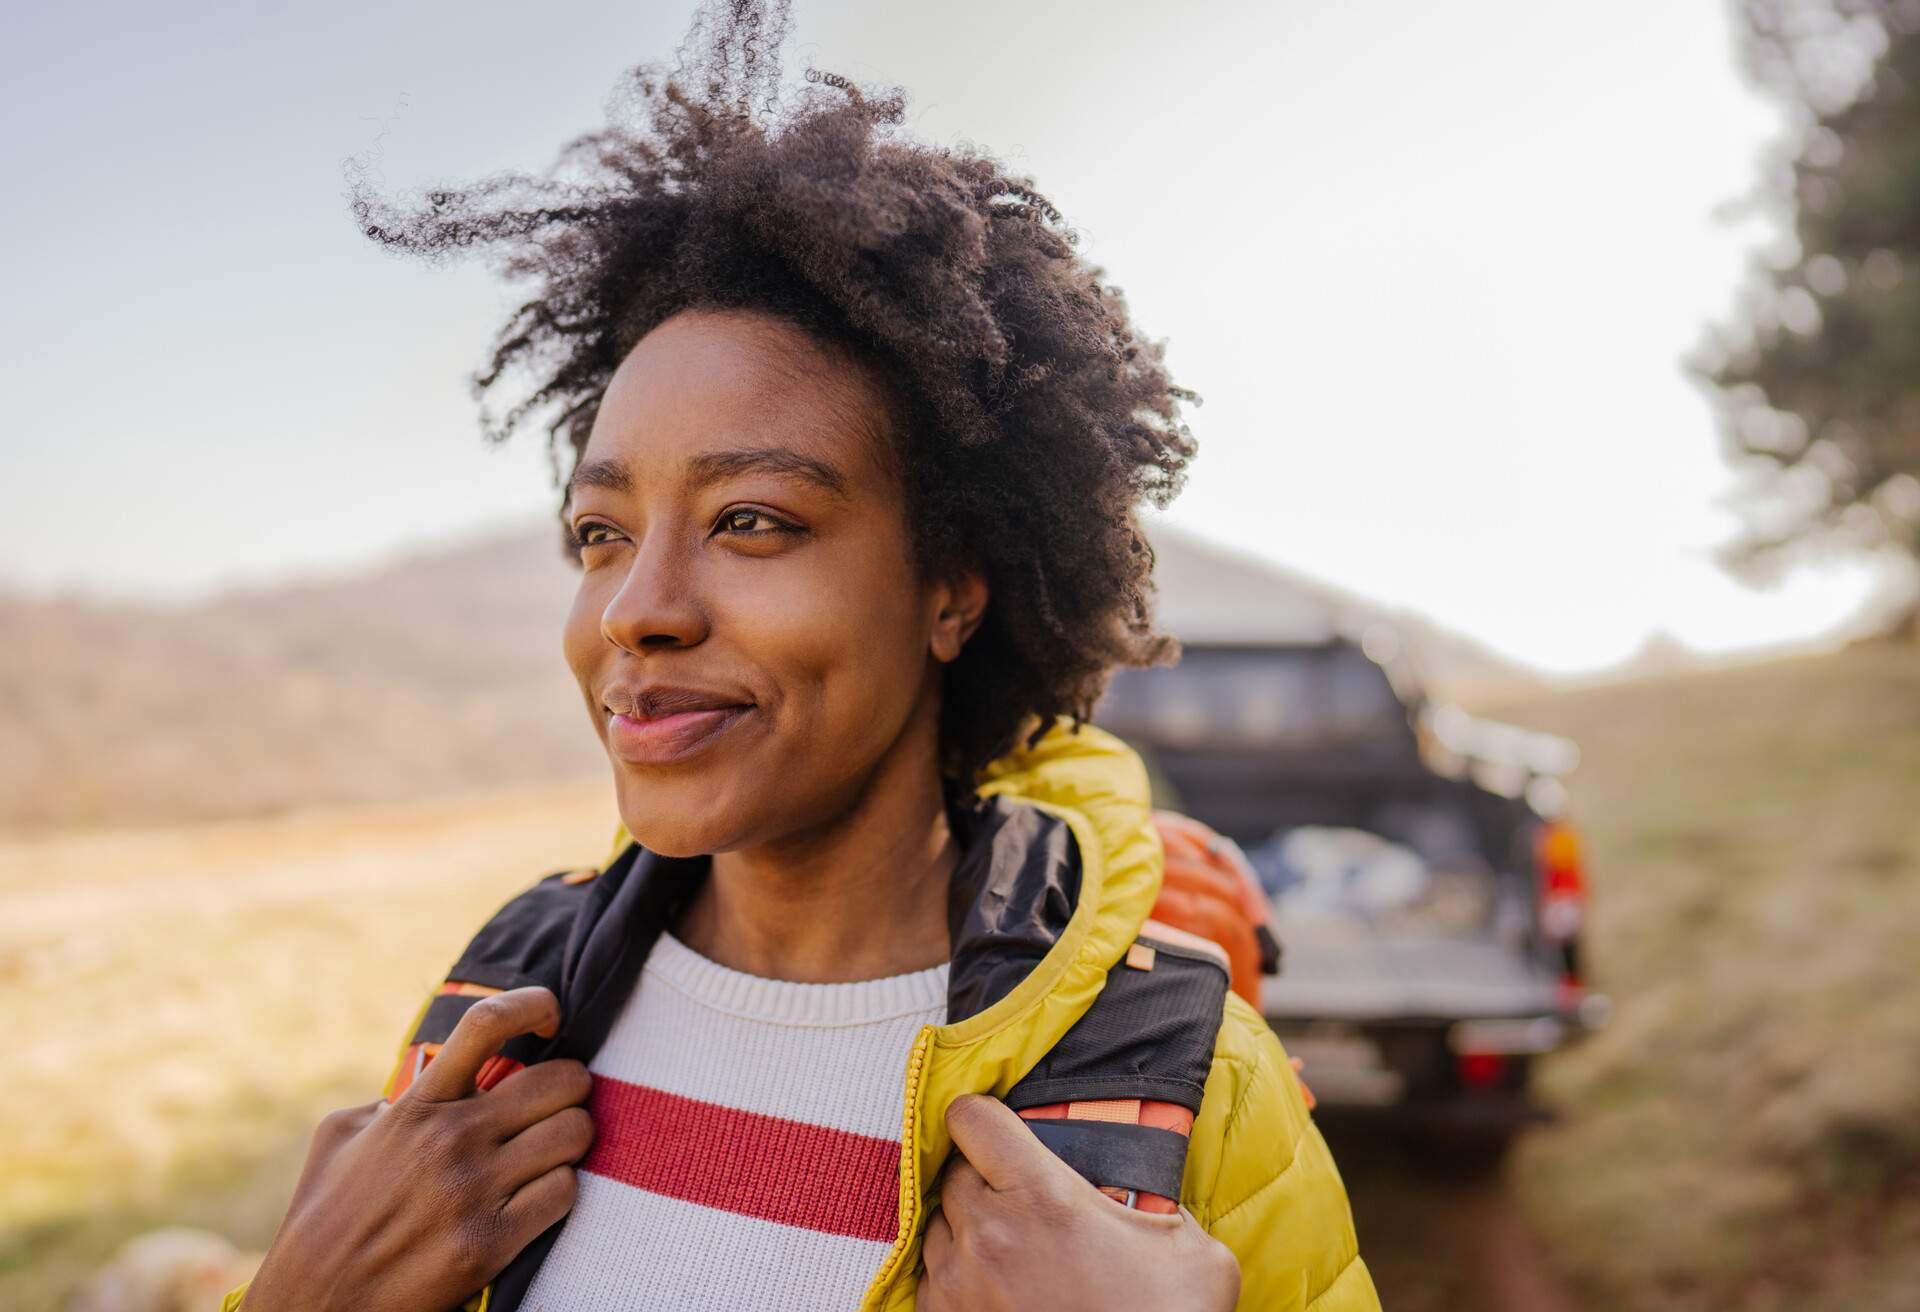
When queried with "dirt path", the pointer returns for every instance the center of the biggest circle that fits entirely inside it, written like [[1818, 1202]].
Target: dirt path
[[1505, 1262], [1442, 1240]]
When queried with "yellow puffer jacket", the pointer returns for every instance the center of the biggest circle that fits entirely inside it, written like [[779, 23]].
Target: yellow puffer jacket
[[1258, 1177]]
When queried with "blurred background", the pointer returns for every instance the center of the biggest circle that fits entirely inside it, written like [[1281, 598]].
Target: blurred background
[[1548, 577]]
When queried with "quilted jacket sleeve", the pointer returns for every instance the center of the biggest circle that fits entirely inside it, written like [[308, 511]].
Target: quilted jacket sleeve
[[1260, 1180]]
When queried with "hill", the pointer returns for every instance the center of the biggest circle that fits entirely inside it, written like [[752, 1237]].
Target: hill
[[1209, 592], [427, 677], [433, 675], [1746, 1133]]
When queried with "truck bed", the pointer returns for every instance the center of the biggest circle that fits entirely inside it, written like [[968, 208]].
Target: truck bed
[[1352, 972]]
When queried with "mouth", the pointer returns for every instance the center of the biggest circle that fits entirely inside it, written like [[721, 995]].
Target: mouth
[[662, 726]]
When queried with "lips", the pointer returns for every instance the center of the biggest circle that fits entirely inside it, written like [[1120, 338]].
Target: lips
[[662, 725]]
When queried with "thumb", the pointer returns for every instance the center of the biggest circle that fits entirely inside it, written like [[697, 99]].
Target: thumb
[[998, 1144]]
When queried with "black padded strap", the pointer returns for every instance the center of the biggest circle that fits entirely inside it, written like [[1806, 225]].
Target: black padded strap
[[1149, 1034], [1269, 949], [1118, 1156]]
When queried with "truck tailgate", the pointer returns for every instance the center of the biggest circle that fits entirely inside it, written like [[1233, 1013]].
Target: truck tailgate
[[1349, 972]]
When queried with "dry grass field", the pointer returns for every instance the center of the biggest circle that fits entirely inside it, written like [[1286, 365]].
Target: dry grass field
[[185, 1002], [1746, 1134]]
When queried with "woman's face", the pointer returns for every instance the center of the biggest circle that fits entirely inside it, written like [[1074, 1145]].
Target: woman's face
[[749, 634]]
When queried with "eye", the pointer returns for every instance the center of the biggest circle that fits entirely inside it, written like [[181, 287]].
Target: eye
[[746, 520], [590, 534]]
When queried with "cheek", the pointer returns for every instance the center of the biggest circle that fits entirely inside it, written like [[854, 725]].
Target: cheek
[[581, 642], [845, 641]]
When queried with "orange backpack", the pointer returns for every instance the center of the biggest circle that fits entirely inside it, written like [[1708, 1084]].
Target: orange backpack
[[1210, 890]]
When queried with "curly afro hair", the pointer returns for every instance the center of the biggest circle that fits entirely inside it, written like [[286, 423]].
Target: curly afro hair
[[1033, 420]]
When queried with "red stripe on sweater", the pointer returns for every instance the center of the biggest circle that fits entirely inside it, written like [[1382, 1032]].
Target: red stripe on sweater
[[811, 1176]]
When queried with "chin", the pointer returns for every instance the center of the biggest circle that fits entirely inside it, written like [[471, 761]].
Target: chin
[[671, 841], [659, 823]]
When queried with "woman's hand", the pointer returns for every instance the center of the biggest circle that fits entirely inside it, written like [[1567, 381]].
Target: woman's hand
[[1018, 1228], [418, 1204]]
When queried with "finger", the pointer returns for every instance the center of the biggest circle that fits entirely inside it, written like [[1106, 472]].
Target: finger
[[560, 1140], [937, 1247], [538, 1203], [481, 1033], [963, 1191], [337, 1127], [1001, 1147], [530, 1096], [936, 1251]]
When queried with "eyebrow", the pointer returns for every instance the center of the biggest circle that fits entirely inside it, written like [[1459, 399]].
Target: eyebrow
[[609, 474], [704, 470]]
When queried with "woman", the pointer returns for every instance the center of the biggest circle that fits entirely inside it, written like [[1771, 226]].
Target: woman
[[856, 447]]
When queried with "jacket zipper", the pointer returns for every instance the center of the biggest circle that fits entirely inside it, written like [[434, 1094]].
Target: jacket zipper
[[910, 1181]]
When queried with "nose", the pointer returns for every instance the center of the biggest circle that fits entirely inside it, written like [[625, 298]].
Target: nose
[[657, 605]]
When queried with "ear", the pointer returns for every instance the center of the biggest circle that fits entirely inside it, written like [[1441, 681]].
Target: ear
[[958, 604]]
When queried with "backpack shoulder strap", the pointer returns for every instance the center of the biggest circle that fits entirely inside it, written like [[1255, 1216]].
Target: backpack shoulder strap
[[526, 942], [1116, 1097]]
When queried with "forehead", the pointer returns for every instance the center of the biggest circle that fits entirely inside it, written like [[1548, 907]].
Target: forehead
[[720, 380]]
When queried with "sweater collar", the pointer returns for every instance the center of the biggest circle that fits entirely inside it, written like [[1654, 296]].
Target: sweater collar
[[1060, 864]]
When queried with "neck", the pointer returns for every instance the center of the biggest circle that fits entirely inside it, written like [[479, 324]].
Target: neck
[[862, 896]]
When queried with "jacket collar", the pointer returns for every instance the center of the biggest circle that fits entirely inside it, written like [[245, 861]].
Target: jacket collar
[[1059, 866]]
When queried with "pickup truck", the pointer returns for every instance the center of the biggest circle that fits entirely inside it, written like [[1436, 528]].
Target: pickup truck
[[1427, 890]]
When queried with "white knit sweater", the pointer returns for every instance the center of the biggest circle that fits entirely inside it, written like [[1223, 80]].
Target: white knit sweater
[[746, 1142]]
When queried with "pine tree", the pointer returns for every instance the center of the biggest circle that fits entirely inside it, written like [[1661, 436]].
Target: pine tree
[[1818, 374]]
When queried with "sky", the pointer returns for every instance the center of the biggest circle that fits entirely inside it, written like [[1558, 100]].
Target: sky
[[1433, 268]]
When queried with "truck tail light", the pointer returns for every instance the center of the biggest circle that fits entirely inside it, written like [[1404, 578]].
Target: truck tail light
[[1480, 1070], [1563, 881]]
